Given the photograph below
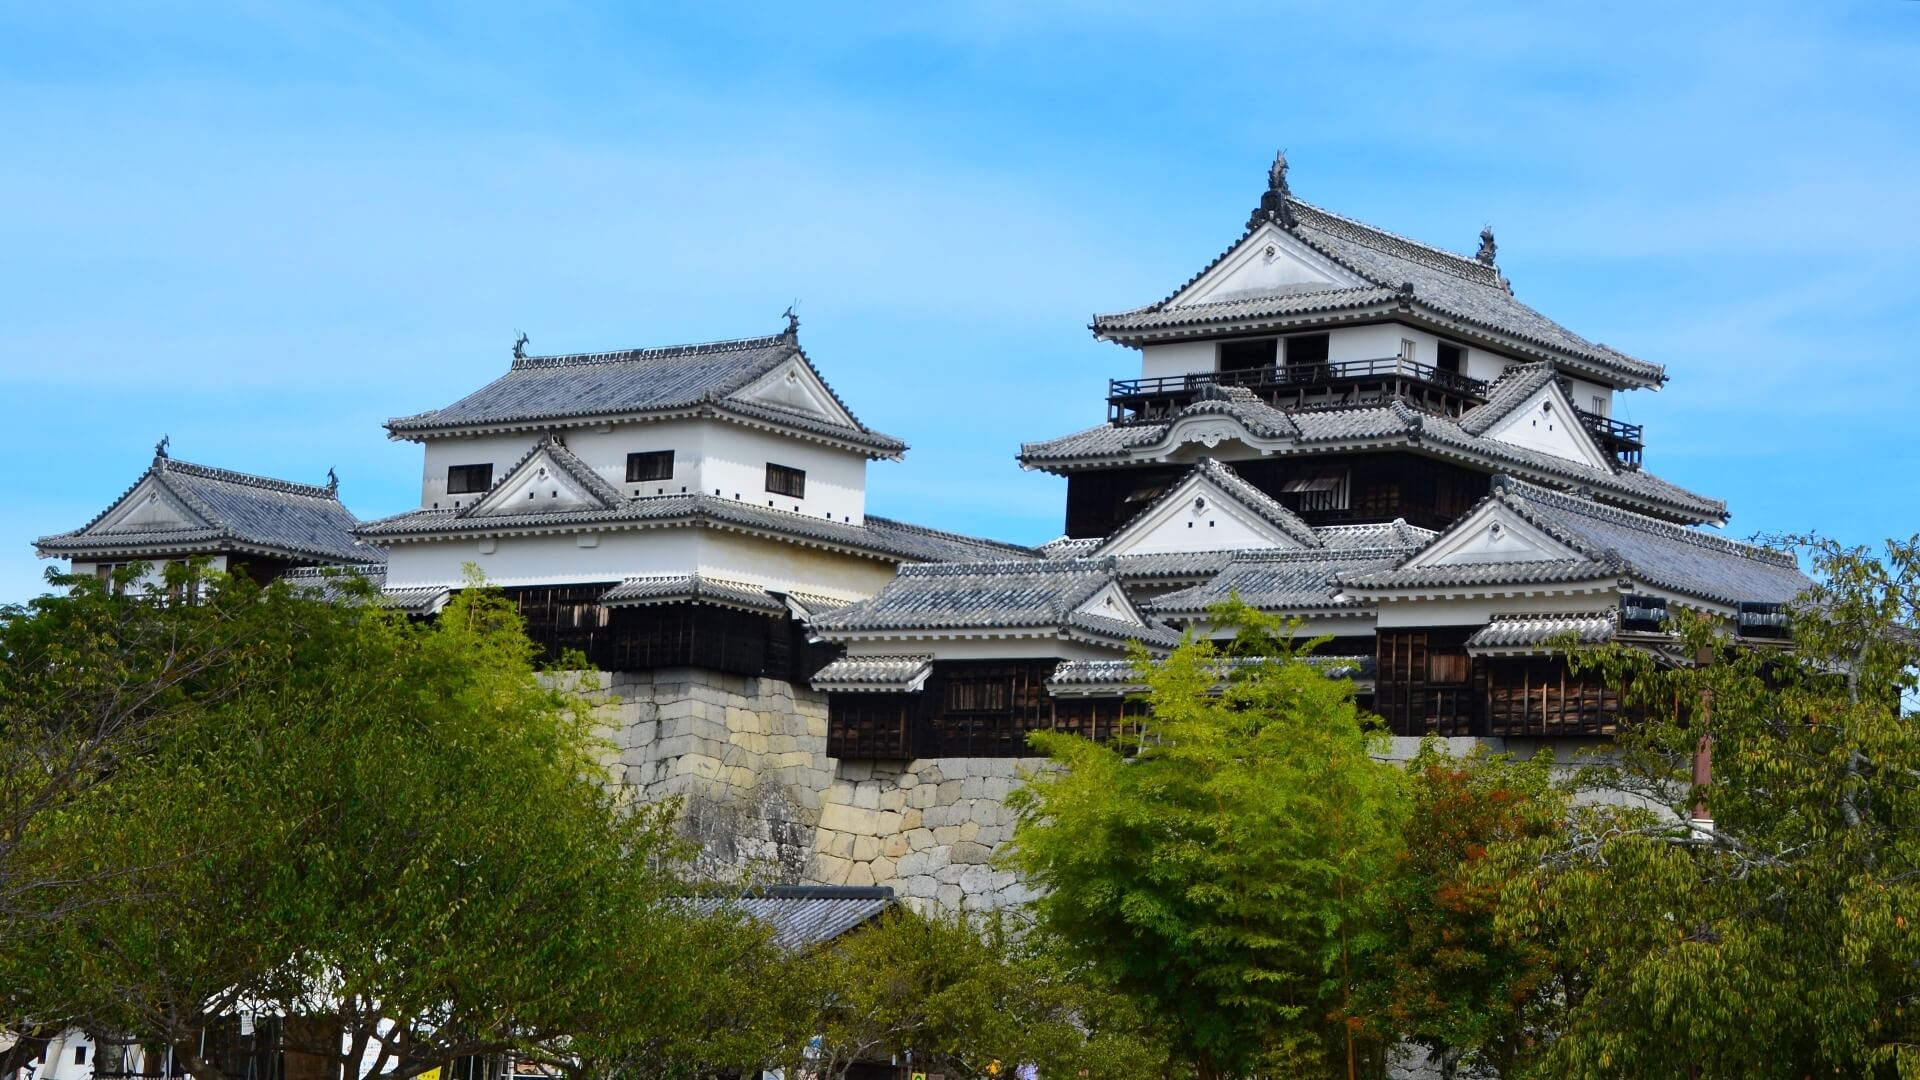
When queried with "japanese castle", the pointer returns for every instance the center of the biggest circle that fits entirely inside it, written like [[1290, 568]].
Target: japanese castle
[[1337, 424]]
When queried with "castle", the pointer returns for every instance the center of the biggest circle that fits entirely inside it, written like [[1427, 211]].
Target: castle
[[1339, 425]]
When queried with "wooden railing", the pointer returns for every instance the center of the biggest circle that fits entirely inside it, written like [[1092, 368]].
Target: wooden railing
[[1624, 441], [1134, 400]]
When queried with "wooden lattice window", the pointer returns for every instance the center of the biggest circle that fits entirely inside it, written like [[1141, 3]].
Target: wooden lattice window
[[467, 479], [649, 465], [784, 480]]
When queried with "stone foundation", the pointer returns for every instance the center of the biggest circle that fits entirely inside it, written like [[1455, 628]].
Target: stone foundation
[[747, 757]]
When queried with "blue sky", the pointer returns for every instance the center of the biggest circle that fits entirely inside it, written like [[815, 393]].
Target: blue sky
[[266, 228]]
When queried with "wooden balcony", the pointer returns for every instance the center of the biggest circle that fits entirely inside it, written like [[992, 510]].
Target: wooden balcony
[[1346, 382], [1623, 441]]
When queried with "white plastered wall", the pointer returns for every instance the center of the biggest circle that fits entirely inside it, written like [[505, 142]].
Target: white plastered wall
[[708, 455], [1479, 611], [996, 648]]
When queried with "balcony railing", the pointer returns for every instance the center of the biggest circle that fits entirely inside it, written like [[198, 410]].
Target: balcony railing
[[1624, 441], [1136, 400]]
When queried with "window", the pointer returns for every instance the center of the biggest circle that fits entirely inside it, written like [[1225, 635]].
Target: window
[[1446, 667], [1407, 349], [1248, 355], [1451, 357], [1315, 490], [79, 1055], [1599, 405], [650, 465], [466, 479], [1307, 349], [782, 480]]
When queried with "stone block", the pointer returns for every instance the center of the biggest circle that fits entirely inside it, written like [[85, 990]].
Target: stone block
[[866, 796], [977, 880], [949, 793], [919, 885], [829, 870], [949, 896], [893, 799], [949, 874], [843, 818], [969, 830], [973, 787], [911, 819], [884, 870], [865, 848], [998, 787], [895, 846], [855, 771], [920, 839], [946, 834], [929, 773], [923, 796], [860, 874], [886, 823], [912, 864], [966, 852]]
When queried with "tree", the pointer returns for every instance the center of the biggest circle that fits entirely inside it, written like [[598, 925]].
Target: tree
[[393, 833], [1217, 868], [1779, 941], [1448, 980], [968, 995]]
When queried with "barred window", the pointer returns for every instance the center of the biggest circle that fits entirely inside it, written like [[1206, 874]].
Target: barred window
[[649, 465], [790, 482], [467, 479]]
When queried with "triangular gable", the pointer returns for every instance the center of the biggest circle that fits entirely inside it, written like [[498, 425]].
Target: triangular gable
[[1493, 533], [150, 507], [542, 483], [1111, 602], [1269, 260], [1546, 421], [1209, 510], [794, 385]]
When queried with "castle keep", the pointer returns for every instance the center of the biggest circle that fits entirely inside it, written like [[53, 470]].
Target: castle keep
[[1339, 425]]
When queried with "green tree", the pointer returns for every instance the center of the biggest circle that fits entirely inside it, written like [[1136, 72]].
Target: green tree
[[1218, 869], [394, 833], [1781, 940], [970, 996], [1449, 981]]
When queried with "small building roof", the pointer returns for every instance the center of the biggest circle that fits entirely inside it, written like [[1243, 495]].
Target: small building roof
[[178, 508], [803, 917], [874, 673], [1280, 581], [329, 583], [1117, 678], [718, 378], [1532, 633], [1601, 541], [692, 588], [1051, 597]]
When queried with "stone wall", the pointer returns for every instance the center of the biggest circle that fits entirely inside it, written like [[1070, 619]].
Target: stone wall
[[747, 757]]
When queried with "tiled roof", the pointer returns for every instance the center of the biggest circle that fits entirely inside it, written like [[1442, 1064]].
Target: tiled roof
[[327, 582], [1393, 534], [1100, 678], [1390, 424], [1252, 498], [1067, 547], [300, 521], [1473, 575], [691, 589], [1173, 566], [1039, 595], [582, 386], [1608, 542], [896, 673], [1532, 631], [1510, 391], [877, 536], [803, 917], [1444, 286], [1279, 581]]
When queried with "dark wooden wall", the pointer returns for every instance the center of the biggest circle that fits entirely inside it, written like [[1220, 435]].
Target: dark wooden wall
[[968, 710]]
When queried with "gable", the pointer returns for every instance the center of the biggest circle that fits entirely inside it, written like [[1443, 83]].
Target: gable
[[1111, 602], [538, 486], [1269, 260], [794, 386], [1493, 534], [149, 507], [1198, 514], [1547, 422]]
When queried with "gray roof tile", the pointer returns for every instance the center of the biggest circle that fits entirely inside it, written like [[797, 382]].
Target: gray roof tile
[[1391, 424], [1115, 678], [329, 584], [803, 917], [1533, 631], [1510, 391], [581, 386], [1261, 504], [692, 589], [1279, 581], [301, 521], [893, 673], [1039, 595], [1451, 287]]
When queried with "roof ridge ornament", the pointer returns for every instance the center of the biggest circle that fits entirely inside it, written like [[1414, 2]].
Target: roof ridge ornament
[[1276, 204], [520, 346], [792, 332], [160, 448], [1488, 248], [333, 481]]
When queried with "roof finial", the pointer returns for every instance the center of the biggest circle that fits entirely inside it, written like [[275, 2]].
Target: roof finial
[[1487, 246], [793, 321], [160, 448], [333, 481], [1275, 204], [520, 346]]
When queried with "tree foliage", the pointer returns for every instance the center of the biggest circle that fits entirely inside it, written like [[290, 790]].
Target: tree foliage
[[1781, 941], [1219, 868], [394, 833]]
